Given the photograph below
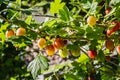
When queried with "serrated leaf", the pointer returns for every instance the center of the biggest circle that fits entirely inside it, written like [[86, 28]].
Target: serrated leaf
[[94, 33], [64, 14], [93, 7], [83, 58], [37, 65], [56, 6]]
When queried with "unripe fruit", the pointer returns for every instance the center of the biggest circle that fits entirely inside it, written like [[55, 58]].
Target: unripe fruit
[[109, 44], [75, 53], [107, 11], [10, 33], [21, 32], [91, 20], [59, 43], [92, 53], [118, 49], [50, 50], [63, 52], [41, 43]]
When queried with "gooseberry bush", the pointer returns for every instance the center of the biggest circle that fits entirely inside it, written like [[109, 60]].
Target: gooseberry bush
[[85, 33]]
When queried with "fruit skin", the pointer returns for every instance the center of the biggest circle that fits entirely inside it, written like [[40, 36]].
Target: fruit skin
[[59, 43], [91, 20], [63, 52], [75, 53], [116, 27], [109, 44], [107, 58], [109, 32], [21, 31], [50, 50], [118, 49], [107, 11], [10, 33], [92, 54], [41, 43]]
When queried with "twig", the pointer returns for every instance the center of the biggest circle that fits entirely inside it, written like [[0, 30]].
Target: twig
[[45, 16]]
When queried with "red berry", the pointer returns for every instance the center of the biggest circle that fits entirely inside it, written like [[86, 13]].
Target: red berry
[[59, 43], [109, 32], [92, 53], [107, 11], [116, 27]]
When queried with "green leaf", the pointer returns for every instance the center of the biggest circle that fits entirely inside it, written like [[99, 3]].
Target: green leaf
[[50, 23], [20, 23], [4, 26], [83, 58], [69, 76], [81, 43], [108, 74], [81, 32], [86, 3], [57, 1], [64, 14], [56, 6], [72, 47], [18, 3], [37, 65], [94, 33], [101, 56], [2, 36], [115, 2], [42, 3], [111, 13], [93, 8], [117, 12], [28, 20], [1, 1]]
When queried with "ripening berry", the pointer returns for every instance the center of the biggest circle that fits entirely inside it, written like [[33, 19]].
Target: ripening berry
[[41, 43], [50, 50], [92, 53], [91, 20], [10, 33], [21, 32]]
